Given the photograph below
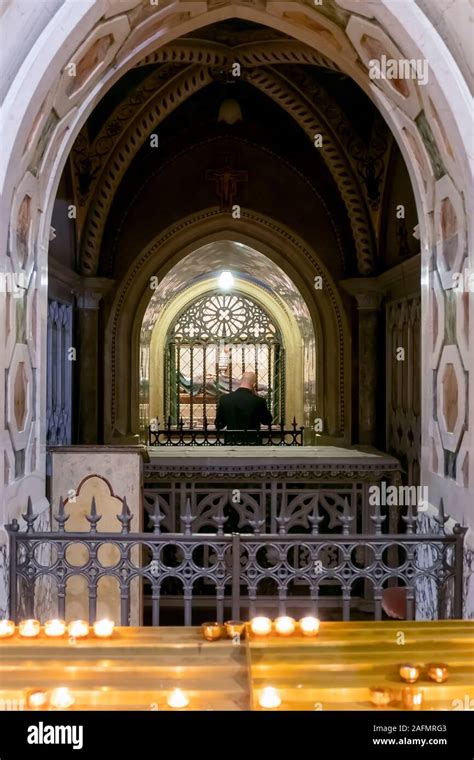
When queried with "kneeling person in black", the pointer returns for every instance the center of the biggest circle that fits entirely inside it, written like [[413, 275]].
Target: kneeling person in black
[[242, 410]]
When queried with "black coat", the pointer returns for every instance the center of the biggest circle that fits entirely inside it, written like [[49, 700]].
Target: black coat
[[242, 410]]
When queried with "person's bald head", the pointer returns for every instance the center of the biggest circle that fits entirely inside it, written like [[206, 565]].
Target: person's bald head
[[248, 380]]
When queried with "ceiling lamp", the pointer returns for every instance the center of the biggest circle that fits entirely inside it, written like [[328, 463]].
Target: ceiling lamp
[[230, 111], [226, 281]]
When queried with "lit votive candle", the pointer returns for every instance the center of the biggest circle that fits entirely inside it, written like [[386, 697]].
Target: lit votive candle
[[212, 631], [29, 628], [78, 629], [379, 696], [234, 628], [412, 699], [36, 700], [309, 626], [104, 628], [177, 699], [55, 627], [7, 628], [269, 698], [437, 672], [409, 673], [285, 625], [261, 626], [61, 698]]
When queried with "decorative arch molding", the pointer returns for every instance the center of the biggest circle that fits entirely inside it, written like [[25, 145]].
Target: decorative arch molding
[[167, 100], [173, 94], [188, 52], [265, 53], [333, 154], [301, 264]]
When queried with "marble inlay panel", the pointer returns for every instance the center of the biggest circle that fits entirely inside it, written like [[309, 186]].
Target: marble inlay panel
[[109, 475], [426, 592], [468, 591], [3, 581]]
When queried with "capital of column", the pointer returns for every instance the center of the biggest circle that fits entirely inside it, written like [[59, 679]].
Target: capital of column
[[91, 291], [366, 290]]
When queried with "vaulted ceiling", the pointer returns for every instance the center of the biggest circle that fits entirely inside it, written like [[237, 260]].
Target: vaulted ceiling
[[128, 189]]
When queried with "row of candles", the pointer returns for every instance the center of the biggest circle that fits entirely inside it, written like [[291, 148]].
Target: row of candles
[[269, 698], [436, 671], [262, 626], [411, 697], [62, 698], [77, 629]]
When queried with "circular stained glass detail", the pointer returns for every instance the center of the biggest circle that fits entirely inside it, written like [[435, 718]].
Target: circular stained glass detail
[[228, 316]]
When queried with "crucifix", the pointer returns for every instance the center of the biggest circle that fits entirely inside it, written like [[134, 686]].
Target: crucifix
[[226, 180]]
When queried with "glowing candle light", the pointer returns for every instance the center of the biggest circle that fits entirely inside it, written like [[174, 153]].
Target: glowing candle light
[[7, 628], [269, 699], [309, 626], [78, 629], [61, 698], [177, 699], [55, 627], [36, 700], [412, 698], [437, 672], [379, 696], [29, 628], [104, 628], [261, 626], [409, 673], [212, 631], [234, 628], [285, 625]]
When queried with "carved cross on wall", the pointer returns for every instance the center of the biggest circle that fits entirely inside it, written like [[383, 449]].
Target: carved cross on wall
[[226, 180]]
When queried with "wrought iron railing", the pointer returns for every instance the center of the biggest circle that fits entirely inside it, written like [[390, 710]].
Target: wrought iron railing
[[178, 435], [235, 570]]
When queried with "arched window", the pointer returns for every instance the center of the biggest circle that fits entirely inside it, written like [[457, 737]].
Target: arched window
[[211, 343]]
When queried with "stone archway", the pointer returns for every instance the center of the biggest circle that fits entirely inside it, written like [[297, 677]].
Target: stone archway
[[80, 51], [296, 396], [327, 314]]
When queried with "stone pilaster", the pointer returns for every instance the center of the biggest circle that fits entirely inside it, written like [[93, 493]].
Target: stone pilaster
[[368, 295], [87, 376]]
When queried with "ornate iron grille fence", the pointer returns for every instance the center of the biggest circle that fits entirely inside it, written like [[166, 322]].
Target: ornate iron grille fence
[[236, 566], [180, 436]]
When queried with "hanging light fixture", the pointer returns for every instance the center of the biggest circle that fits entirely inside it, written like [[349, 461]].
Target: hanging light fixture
[[230, 111], [226, 280]]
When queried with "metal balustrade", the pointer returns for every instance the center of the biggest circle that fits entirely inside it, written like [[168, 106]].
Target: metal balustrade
[[234, 569], [178, 435]]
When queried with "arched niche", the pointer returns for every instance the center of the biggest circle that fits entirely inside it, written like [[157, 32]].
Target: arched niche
[[298, 386], [284, 257]]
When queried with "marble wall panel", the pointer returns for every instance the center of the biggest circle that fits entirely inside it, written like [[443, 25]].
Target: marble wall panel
[[108, 474]]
